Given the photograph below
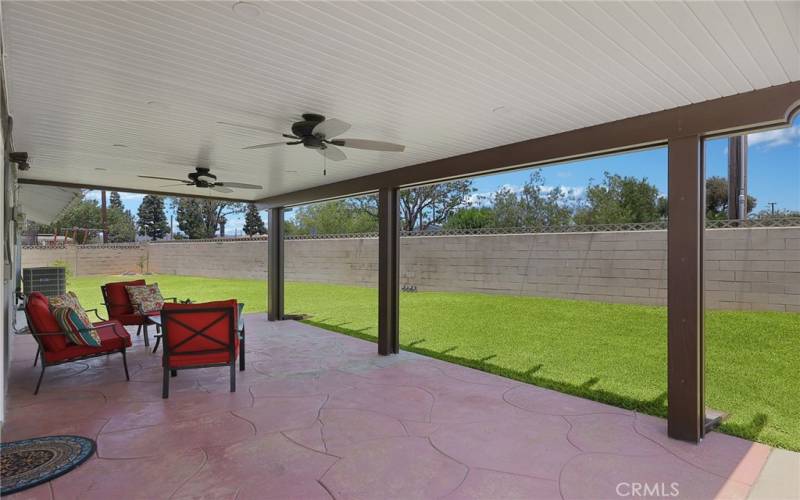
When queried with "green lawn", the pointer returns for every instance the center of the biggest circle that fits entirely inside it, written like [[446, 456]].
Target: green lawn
[[607, 352]]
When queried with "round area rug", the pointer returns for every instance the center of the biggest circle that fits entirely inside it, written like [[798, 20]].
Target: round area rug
[[29, 462]]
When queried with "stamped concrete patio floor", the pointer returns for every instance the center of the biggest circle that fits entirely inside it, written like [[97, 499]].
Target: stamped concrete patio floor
[[320, 415]]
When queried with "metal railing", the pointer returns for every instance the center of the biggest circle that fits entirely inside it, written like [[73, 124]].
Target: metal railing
[[542, 229]]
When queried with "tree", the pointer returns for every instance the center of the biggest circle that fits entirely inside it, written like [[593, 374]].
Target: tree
[[533, 205], [85, 214], [544, 207], [508, 211], [152, 220], [777, 214], [333, 217], [717, 198], [121, 226], [201, 218], [115, 201], [253, 223], [424, 206], [620, 200], [471, 218]]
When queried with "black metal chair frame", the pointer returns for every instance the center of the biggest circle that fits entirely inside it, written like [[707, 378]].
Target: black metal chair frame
[[145, 322], [40, 350], [226, 313]]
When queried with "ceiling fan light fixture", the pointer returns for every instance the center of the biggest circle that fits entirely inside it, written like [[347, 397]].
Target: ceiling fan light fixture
[[246, 10]]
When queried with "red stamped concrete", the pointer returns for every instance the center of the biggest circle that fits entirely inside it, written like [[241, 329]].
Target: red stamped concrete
[[321, 415]]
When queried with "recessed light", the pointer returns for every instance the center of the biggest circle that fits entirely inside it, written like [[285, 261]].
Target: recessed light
[[246, 10]]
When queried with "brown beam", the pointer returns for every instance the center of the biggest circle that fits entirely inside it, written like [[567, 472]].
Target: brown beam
[[685, 349], [102, 187], [275, 265], [763, 108], [388, 272]]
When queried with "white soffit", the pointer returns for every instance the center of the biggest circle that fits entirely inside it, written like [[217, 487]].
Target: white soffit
[[444, 78], [44, 204]]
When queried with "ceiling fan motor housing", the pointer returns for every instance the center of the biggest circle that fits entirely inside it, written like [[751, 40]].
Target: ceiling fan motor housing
[[202, 177], [303, 129]]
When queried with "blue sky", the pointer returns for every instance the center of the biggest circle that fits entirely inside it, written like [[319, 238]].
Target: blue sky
[[773, 161]]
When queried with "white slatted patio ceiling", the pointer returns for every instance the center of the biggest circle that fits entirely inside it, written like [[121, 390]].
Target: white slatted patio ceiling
[[155, 77]]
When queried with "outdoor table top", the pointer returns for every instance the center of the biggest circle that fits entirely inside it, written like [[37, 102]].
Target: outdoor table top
[[156, 320]]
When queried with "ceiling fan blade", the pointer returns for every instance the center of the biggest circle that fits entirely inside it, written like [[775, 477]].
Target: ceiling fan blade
[[221, 189], [251, 127], [330, 128], [163, 178], [370, 145], [268, 145], [239, 185], [175, 185], [332, 153]]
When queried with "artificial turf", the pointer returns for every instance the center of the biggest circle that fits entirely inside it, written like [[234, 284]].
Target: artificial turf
[[612, 353]]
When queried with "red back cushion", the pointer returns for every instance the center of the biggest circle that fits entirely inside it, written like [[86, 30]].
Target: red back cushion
[[43, 321], [193, 316], [117, 297]]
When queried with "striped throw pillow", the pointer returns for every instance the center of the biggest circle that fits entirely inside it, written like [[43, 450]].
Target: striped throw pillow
[[76, 326]]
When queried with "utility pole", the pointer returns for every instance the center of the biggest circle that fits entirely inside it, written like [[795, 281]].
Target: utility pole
[[104, 216], [772, 206], [737, 177]]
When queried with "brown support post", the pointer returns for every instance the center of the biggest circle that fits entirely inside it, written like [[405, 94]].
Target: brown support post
[[685, 349], [388, 272], [275, 265]]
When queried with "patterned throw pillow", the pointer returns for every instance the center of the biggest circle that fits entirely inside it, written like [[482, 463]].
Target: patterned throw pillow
[[146, 298], [68, 299], [76, 325]]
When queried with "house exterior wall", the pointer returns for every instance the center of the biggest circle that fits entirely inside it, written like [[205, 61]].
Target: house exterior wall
[[753, 268]]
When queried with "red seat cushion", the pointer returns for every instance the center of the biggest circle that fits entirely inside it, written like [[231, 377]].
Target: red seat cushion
[[175, 333], [134, 318], [43, 321], [109, 342], [117, 297]]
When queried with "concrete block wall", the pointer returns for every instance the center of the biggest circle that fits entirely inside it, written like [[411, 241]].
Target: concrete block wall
[[342, 261], [755, 269], [214, 259], [89, 259], [745, 269]]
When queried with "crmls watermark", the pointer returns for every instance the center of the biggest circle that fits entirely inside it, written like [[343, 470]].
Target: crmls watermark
[[648, 490]]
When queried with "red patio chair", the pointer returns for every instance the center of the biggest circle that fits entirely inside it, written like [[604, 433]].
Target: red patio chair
[[199, 336], [54, 349], [119, 307]]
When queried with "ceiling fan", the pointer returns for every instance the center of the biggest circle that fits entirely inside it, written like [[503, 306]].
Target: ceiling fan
[[203, 178], [316, 132]]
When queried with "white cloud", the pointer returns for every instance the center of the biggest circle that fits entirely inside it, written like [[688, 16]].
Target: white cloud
[[571, 191], [774, 138]]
